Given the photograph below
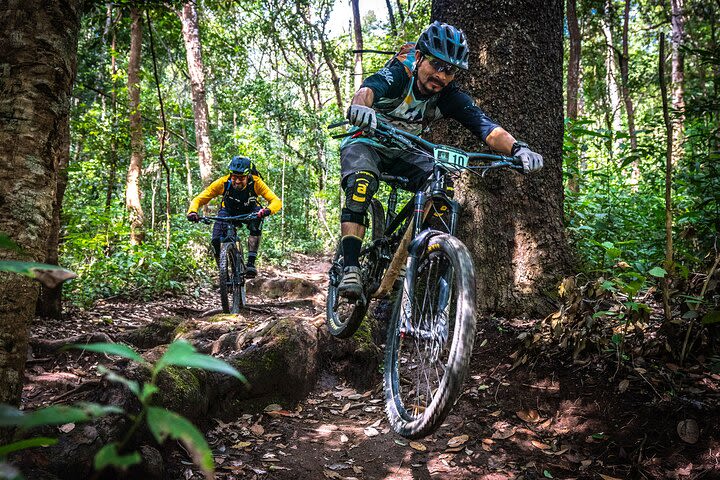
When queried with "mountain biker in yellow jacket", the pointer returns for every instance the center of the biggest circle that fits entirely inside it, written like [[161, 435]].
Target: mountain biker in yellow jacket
[[409, 94], [240, 190]]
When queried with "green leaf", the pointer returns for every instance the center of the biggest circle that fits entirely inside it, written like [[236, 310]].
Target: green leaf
[[147, 391], [54, 415], [547, 474], [8, 244], [658, 272], [29, 443], [108, 455], [132, 385], [49, 275], [182, 354], [617, 338], [164, 424], [111, 349], [711, 317]]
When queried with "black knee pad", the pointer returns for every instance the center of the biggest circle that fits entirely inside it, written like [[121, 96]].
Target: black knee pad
[[359, 190]]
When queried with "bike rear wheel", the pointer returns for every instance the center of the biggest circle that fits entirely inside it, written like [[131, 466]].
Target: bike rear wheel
[[430, 338], [343, 317], [232, 278]]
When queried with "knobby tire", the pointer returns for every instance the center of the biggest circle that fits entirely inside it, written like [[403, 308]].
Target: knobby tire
[[232, 282], [417, 400]]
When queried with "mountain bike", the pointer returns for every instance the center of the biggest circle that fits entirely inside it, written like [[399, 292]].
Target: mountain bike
[[432, 328], [231, 264]]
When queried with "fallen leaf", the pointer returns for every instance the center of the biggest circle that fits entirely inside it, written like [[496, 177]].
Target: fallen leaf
[[529, 416], [67, 428], [401, 443], [623, 385], [608, 477], [344, 438], [371, 432], [503, 434], [496, 413], [540, 445], [418, 446], [456, 441], [257, 429], [273, 407], [331, 474], [241, 445], [688, 431]]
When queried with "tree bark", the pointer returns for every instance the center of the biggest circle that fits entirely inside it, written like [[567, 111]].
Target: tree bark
[[625, 80], [37, 69], [513, 224], [193, 49], [613, 92], [678, 76], [49, 302], [573, 86], [357, 29], [137, 146], [668, 181]]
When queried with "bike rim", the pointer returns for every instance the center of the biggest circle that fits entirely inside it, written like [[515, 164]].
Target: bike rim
[[425, 337]]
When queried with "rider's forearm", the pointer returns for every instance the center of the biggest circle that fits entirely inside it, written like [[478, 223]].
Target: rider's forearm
[[364, 96], [500, 140]]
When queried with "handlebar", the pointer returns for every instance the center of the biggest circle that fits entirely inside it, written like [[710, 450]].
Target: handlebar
[[245, 218], [385, 131]]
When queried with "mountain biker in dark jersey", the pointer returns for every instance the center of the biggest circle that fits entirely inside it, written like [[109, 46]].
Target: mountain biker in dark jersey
[[240, 190], [409, 99]]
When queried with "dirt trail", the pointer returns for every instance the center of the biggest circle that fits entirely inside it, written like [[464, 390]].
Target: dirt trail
[[551, 419]]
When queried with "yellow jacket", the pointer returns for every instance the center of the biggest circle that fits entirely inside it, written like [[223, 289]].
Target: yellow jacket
[[217, 188]]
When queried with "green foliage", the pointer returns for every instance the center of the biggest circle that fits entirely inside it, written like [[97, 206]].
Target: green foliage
[[162, 423]]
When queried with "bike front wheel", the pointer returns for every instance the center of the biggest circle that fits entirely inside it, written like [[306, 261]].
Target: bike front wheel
[[232, 279], [430, 338]]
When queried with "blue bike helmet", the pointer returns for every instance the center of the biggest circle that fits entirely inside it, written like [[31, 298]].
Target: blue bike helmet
[[445, 43], [240, 165]]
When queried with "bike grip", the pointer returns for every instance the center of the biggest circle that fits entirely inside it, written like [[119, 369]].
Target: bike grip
[[338, 124]]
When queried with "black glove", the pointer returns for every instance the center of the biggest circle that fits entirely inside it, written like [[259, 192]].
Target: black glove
[[531, 161], [193, 217], [265, 212]]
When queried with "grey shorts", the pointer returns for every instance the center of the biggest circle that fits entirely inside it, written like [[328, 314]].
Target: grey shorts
[[359, 156]]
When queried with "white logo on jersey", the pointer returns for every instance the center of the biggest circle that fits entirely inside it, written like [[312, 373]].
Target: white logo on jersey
[[386, 74]]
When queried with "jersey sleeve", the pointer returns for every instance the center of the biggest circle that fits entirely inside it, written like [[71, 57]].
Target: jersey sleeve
[[388, 82], [213, 190], [458, 105], [261, 188]]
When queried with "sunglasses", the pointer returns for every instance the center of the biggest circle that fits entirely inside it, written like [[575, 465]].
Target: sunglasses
[[441, 66], [237, 176]]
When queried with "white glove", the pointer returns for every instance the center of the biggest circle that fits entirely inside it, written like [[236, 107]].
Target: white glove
[[531, 161], [362, 116]]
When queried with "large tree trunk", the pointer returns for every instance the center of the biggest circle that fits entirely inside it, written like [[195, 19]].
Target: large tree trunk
[[573, 86], [37, 68], [137, 146], [513, 224], [193, 48]]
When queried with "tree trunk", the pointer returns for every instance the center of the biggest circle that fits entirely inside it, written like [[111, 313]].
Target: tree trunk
[[573, 86], [50, 300], [37, 69], [625, 81], [132, 187], [668, 182], [678, 76], [613, 92], [513, 224], [357, 29], [193, 48], [391, 17]]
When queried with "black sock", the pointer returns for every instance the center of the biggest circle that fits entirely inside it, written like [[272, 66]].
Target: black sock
[[351, 250], [251, 259]]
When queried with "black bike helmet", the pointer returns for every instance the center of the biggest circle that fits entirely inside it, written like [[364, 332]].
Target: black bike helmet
[[240, 165], [446, 43]]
